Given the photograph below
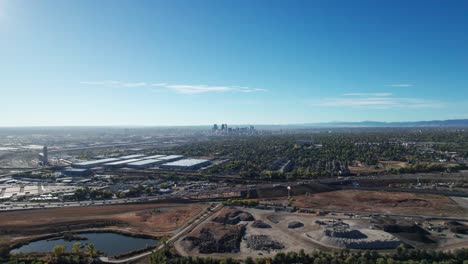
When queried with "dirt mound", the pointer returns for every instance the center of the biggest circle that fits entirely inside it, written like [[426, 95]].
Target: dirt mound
[[295, 224], [232, 216], [274, 218], [260, 224], [217, 238], [350, 234], [410, 232], [401, 228], [355, 239], [263, 242], [457, 227]]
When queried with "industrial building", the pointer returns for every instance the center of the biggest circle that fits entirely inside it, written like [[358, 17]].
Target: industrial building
[[154, 157], [120, 163], [171, 158], [123, 161], [93, 163], [186, 164], [146, 163], [76, 172], [133, 156]]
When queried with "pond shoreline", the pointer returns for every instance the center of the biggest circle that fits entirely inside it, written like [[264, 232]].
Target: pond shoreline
[[75, 234]]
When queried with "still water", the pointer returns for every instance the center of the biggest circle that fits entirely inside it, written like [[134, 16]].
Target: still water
[[110, 244]]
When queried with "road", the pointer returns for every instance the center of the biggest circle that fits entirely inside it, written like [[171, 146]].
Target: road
[[10, 206], [181, 233]]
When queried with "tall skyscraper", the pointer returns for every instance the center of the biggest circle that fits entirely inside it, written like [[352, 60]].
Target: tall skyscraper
[[45, 157]]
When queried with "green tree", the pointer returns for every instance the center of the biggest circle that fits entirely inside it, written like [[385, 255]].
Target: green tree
[[58, 251], [90, 250], [76, 249]]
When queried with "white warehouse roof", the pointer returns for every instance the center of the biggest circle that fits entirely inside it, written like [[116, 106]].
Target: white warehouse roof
[[186, 162], [171, 157], [120, 162], [144, 162], [154, 157], [95, 162], [132, 156]]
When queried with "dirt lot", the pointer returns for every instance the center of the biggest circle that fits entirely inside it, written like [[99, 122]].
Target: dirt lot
[[156, 219], [305, 237], [292, 241], [384, 202], [382, 166]]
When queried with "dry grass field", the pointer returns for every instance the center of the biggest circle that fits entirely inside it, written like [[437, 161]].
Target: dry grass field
[[384, 202], [155, 219]]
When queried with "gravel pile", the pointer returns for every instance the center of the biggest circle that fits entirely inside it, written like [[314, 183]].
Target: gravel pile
[[350, 234], [260, 224], [263, 242], [233, 217], [295, 224]]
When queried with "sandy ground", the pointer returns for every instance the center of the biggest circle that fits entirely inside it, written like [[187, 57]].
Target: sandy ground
[[462, 201], [292, 239], [384, 202], [296, 239]]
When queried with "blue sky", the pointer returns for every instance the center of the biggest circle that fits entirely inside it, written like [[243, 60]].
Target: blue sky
[[236, 62]]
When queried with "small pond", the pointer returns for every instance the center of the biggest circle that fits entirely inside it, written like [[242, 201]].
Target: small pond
[[111, 244]]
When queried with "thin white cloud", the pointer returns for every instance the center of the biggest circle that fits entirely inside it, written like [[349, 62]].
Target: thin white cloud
[[368, 94], [198, 89], [136, 84], [400, 85], [179, 88]]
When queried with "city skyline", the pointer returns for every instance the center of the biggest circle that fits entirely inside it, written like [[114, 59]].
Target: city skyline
[[161, 63]]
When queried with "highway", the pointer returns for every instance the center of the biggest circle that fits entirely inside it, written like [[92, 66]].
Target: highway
[[11, 206]]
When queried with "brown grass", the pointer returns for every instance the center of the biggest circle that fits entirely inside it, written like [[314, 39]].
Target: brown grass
[[152, 219], [384, 202]]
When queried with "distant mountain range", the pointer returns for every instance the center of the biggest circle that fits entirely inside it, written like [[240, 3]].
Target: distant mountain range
[[433, 123]]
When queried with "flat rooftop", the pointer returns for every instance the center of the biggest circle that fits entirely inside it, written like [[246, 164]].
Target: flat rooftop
[[120, 162], [93, 162], [133, 156], [144, 162], [171, 157], [186, 162], [154, 157]]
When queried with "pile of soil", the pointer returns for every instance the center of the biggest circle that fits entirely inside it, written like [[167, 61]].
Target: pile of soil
[[295, 224], [232, 217], [350, 234], [263, 242], [411, 232], [260, 224], [217, 238], [457, 227], [402, 228]]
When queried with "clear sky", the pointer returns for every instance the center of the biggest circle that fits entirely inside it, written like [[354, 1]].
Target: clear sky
[[238, 62]]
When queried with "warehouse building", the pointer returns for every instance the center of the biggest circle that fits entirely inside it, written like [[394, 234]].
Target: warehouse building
[[146, 163], [154, 157], [133, 156], [76, 172], [171, 158], [93, 163], [186, 164], [119, 163]]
